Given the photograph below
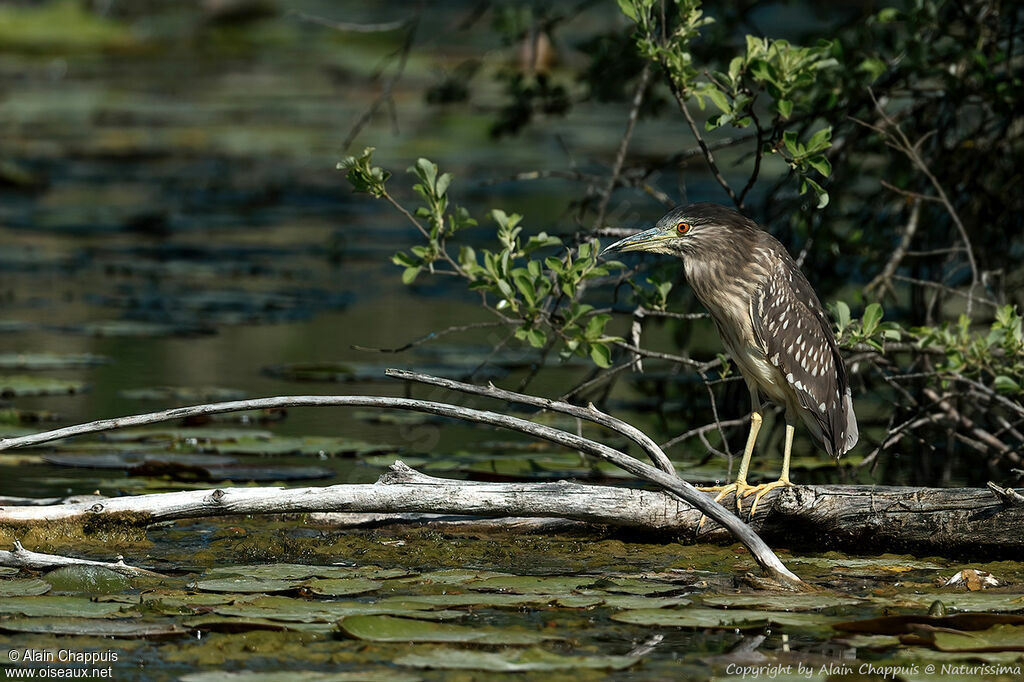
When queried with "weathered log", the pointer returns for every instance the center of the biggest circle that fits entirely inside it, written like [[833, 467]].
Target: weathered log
[[983, 523]]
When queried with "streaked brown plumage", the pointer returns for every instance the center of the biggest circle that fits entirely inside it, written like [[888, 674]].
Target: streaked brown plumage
[[770, 321]]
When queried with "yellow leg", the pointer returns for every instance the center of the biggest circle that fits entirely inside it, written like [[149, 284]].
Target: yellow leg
[[760, 490], [739, 487]]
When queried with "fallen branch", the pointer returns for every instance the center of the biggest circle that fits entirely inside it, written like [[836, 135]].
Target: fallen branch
[[979, 522], [23, 558], [766, 559]]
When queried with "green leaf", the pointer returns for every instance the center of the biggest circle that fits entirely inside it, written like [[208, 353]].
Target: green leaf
[[1005, 384], [595, 326], [627, 7], [842, 313], [872, 316], [789, 139], [785, 107], [537, 338], [820, 140], [409, 274], [601, 355], [820, 164], [442, 184], [719, 98]]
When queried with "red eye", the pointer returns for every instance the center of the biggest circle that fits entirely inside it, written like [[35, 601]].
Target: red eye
[[682, 228]]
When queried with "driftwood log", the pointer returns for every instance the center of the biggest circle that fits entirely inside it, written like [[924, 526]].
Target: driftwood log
[[981, 523]]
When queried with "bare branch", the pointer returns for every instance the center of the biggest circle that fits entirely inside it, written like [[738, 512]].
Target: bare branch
[[883, 280], [590, 413], [23, 558], [763, 554]]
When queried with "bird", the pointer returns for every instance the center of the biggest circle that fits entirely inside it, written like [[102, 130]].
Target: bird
[[771, 323]]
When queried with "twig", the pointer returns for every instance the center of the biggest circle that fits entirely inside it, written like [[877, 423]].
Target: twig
[[430, 337], [23, 558], [763, 554], [590, 413], [389, 84], [620, 155], [690, 362], [704, 429], [910, 150], [884, 278], [709, 157]]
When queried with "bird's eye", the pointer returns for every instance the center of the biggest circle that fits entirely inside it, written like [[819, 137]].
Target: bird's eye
[[682, 228]]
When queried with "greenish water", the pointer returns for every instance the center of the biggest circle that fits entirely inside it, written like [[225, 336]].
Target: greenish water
[[174, 210]]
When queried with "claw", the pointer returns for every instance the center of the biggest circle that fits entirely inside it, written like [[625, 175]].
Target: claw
[[739, 488], [759, 491]]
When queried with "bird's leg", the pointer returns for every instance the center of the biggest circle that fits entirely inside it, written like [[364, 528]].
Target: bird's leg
[[761, 490], [739, 487]]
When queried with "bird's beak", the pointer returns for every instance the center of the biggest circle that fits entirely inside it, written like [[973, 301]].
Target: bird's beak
[[637, 242]]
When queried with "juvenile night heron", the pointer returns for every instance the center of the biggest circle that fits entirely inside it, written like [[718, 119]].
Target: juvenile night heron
[[770, 322]]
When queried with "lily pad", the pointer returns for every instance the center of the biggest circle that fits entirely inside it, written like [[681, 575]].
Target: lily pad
[[339, 587], [137, 329], [483, 599], [304, 571], [93, 579], [66, 607], [781, 602], [702, 618], [892, 625], [533, 659], [364, 373], [131, 460], [91, 627], [961, 601], [309, 445], [998, 638], [196, 435], [392, 629], [47, 361], [246, 584], [23, 587], [286, 609], [299, 676], [27, 385], [184, 394]]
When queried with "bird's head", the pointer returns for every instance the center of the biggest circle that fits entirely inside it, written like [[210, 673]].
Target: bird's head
[[689, 230]]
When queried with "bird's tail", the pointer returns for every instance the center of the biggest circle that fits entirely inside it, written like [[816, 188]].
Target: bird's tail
[[847, 437]]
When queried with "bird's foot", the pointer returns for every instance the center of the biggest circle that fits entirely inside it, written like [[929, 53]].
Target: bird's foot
[[759, 491], [738, 488]]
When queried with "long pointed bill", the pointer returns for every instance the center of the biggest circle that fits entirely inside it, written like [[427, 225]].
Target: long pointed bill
[[638, 241]]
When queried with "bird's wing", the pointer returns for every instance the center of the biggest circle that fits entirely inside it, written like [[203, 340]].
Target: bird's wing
[[797, 337]]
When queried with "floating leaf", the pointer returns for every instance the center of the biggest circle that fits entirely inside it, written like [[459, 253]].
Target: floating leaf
[[339, 587], [894, 625], [93, 579], [60, 606], [304, 571], [293, 675], [533, 659], [90, 627], [46, 361], [962, 601], [703, 618], [781, 602], [23, 587], [27, 385], [306, 611], [392, 629], [246, 584], [184, 394]]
